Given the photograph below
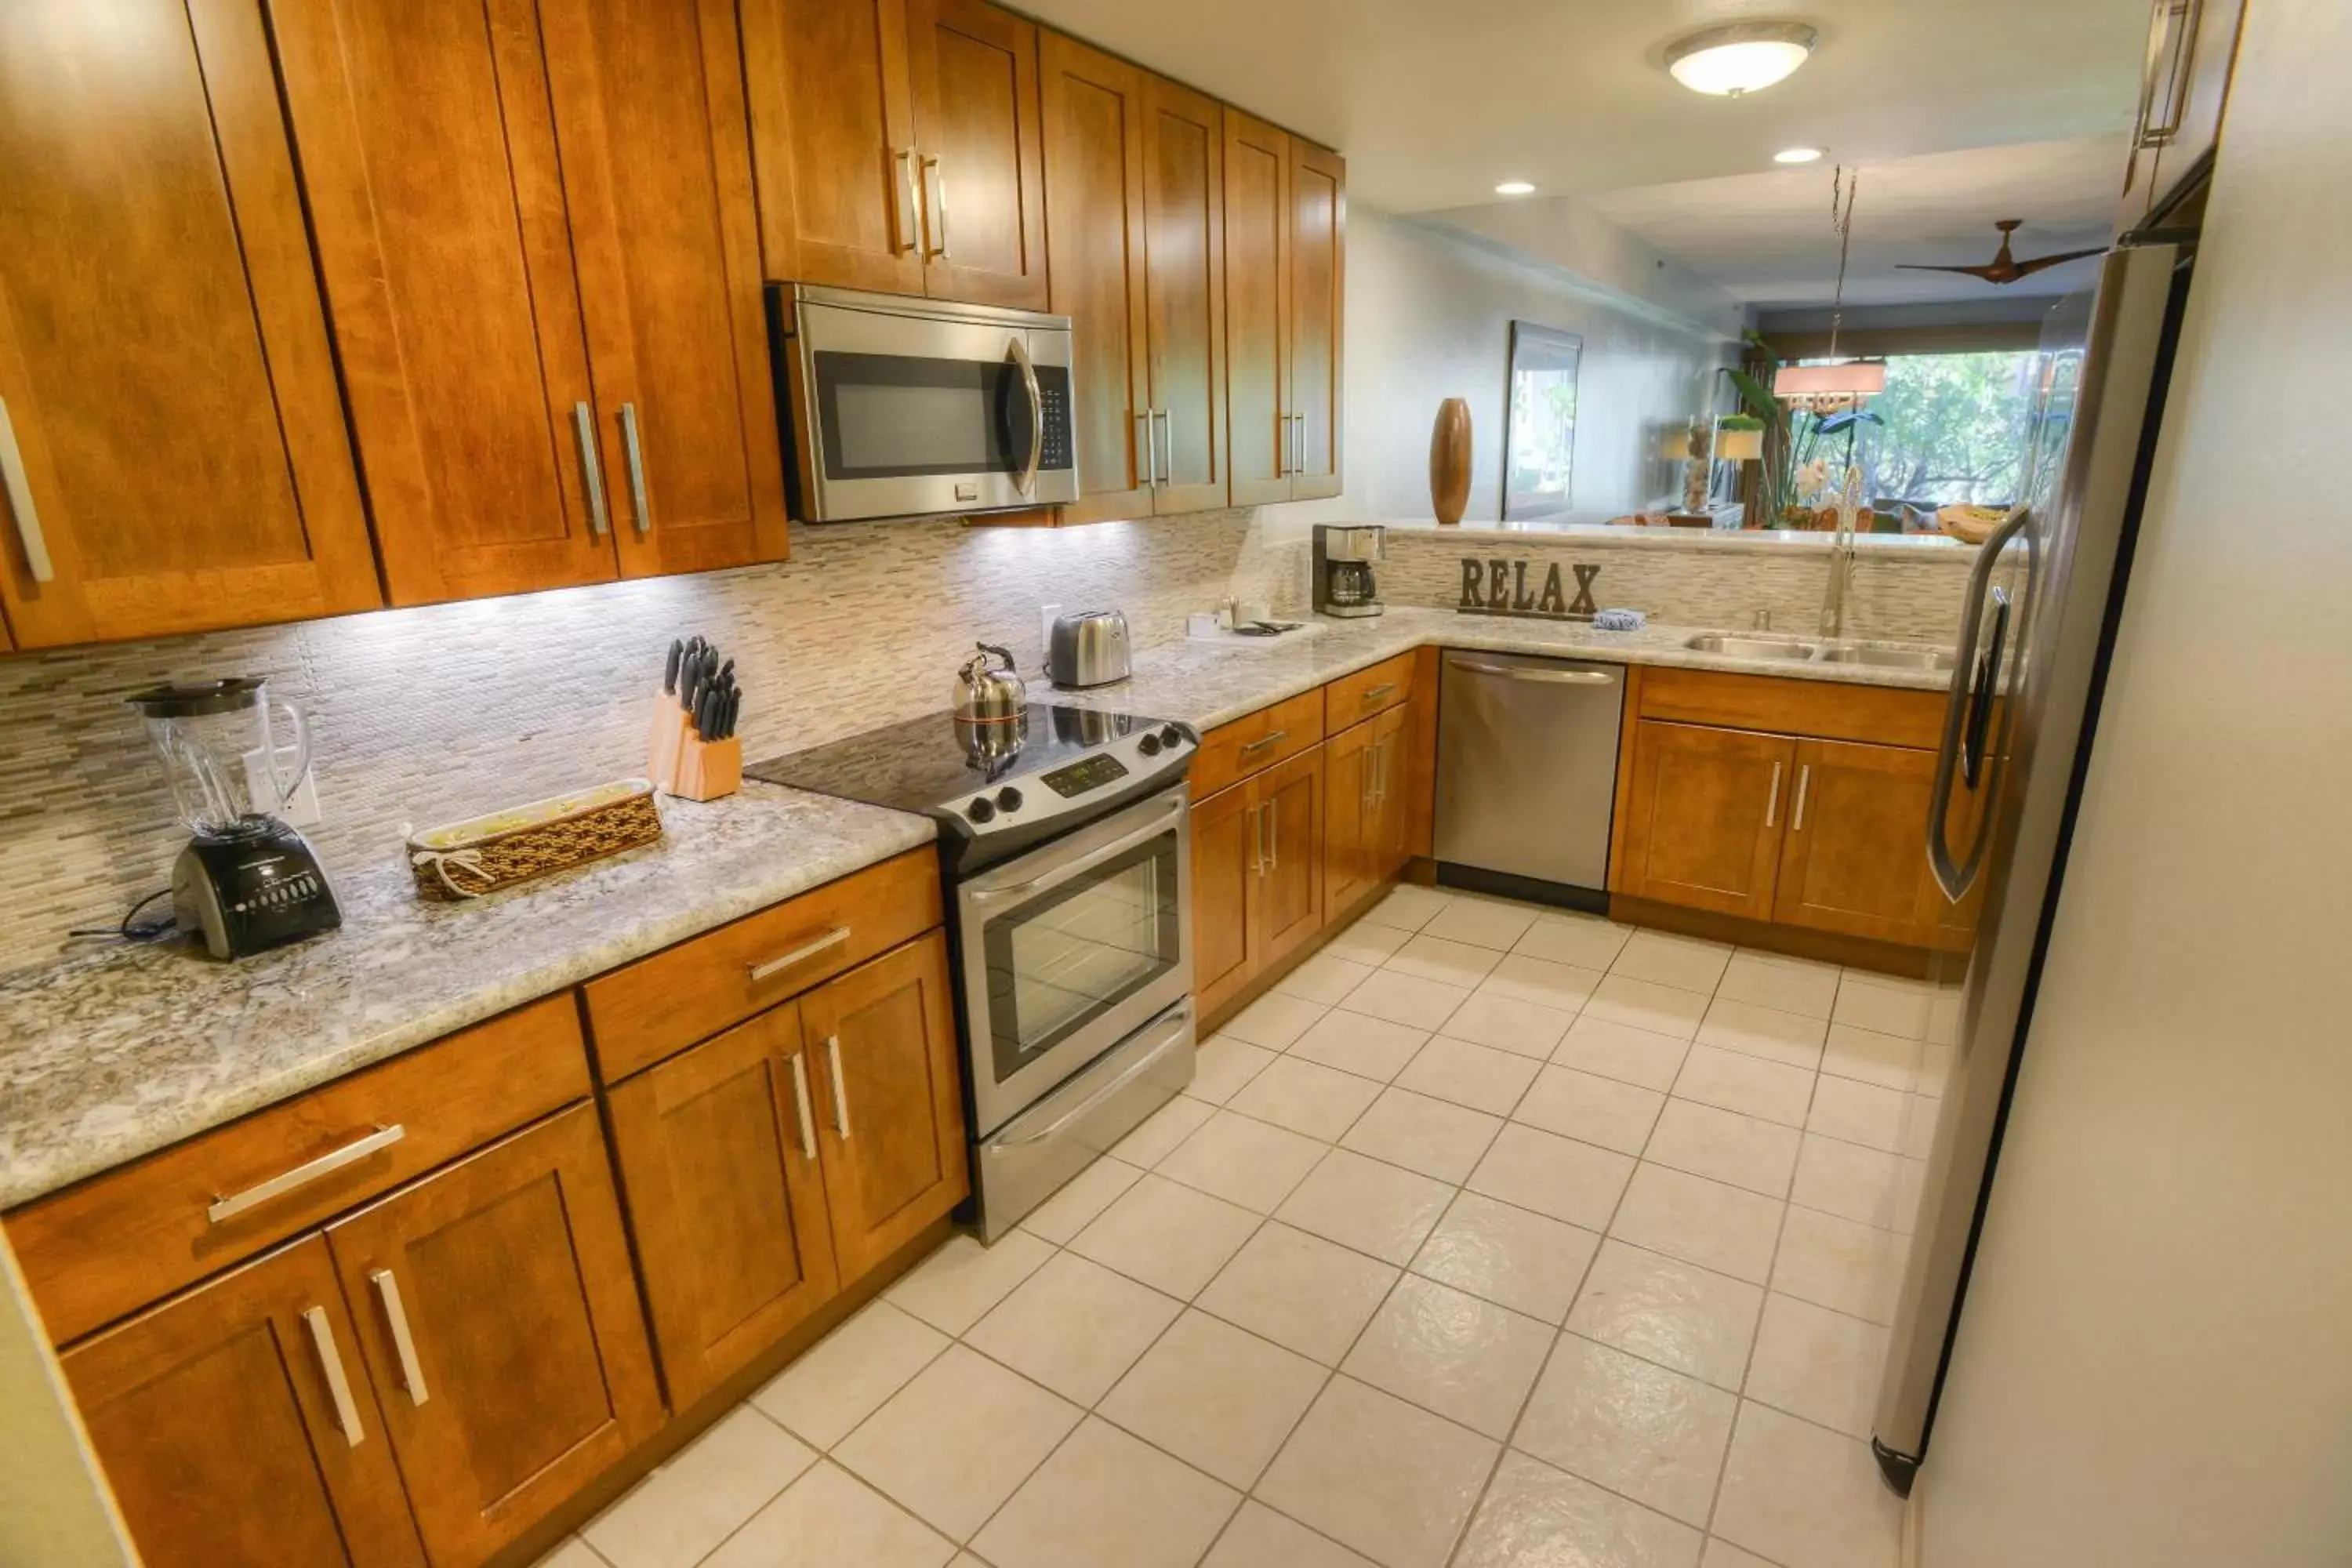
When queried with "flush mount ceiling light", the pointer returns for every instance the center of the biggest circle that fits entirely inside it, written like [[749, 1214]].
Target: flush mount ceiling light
[[1515, 188], [1798, 155], [1727, 61]]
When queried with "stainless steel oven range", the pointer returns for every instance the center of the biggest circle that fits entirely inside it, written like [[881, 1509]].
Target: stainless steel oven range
[[1065, 844]]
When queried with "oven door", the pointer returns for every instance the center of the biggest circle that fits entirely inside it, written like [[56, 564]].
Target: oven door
[[1071, 948], [907, 408]]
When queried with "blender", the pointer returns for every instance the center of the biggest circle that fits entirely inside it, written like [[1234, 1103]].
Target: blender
[[247, 880]]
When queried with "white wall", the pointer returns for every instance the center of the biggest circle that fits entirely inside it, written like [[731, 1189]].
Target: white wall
[[2154, 1365], [54, 1511]]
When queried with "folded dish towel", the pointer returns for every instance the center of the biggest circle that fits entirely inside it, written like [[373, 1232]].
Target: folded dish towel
[[1619, 620]]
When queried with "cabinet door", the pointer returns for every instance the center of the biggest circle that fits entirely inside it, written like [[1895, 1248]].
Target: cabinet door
[[1224, 882], [1184, 267], [169, 414], [1855, 860], [1703, 816], [238, 1428], [974, 73], [1388, 843], [1094, 113], [1290, 895], [833, 137], [1257, 308], [719, 1159], [1319, 231], [437, 201], [657, 176], [500, 1318], [1352, 845], [890, 1101]]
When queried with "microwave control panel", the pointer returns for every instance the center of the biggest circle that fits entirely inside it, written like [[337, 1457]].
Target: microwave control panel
[[1054, 395]]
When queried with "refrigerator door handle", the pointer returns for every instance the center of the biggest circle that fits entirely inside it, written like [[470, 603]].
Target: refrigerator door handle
[[1953, 877], [1980, 698]]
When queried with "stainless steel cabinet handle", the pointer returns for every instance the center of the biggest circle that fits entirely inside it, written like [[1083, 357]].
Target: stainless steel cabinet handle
[[1804, 777], [330, 1367], [412, 1373], [935, 180], [1027, 483], [840, 1095], [802, 954], [1299, 443], [1377, 692], [1281, 444], [1542, 676], [634, 451], [1147, 461], [591, 472], [910, 215], [2172, 53], [351, 1153], [1167, 445], [1263, 741], [1273, 836], [1772, 801], [801, 1106], [1258, 841], [20, 502]]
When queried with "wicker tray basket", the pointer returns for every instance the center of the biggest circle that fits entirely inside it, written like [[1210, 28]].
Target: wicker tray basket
[[483, 854]]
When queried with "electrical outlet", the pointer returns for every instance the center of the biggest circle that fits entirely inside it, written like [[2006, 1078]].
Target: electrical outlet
[[1046, 614], [301, 808]]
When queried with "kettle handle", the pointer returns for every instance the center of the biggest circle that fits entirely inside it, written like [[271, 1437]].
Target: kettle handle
[[1004, 653]]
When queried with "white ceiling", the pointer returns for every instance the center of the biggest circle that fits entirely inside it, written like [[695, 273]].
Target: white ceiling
[[1434, 102]]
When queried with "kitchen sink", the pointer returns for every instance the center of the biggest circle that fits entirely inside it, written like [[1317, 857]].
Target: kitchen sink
[[1752, 647], [1885, 657]]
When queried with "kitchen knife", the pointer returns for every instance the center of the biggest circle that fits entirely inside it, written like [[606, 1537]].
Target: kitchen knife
[[734, 712], [706, 713], [669, 670]]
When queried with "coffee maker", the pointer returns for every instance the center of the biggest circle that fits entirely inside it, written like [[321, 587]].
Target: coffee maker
[[1344, 554], [247, 880]]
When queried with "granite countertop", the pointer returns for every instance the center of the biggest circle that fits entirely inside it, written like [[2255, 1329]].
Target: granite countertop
[[110, 1055]]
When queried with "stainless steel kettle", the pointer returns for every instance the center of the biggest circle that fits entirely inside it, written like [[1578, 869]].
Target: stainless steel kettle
[[991, 694]]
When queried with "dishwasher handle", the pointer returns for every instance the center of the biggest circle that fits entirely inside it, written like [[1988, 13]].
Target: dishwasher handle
[[1532, 673]]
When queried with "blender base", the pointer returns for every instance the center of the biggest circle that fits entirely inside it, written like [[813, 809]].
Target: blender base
[[243, 892]]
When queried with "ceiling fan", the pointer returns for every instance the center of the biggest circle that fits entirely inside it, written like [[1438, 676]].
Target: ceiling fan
[[2004, 267]]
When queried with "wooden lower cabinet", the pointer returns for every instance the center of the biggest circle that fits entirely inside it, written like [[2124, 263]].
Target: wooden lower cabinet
[[498, 1316], [890, 1101], [1290, 880], [1854, 860], [719, 1160], [1224, 873], [1700, 824], [237, 1426], [1367, 807], [1258, 890]]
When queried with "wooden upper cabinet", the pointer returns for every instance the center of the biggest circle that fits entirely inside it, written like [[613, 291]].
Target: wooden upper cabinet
[[974, 69], [173, 454], [718, 1153], [1184, 293], [1257, 308], [890, 1101], [238, 1428], [1854, 860], [1093, 109], [649, 110], [499, 1315], [1702, 818], [1319, 230]]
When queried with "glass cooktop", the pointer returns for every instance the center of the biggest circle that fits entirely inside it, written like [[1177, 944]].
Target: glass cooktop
[[925, 762]]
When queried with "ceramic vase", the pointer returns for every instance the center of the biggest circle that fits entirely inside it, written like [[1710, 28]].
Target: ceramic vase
[[1449, 461]]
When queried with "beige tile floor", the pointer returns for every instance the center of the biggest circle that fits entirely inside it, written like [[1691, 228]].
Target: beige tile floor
[[1495, 1235]]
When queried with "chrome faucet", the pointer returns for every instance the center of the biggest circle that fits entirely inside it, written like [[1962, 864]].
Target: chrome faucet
[[1841, 582]]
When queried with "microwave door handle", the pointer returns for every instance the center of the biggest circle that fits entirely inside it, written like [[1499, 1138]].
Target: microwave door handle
[[1027, 483], [1952, 877]]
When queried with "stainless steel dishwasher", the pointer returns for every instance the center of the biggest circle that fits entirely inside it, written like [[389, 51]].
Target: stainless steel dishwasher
[[1526, 774]]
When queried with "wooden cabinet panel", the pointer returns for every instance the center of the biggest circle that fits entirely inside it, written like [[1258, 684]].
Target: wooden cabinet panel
[[656, 168], [1258, 740], [1374, 689], [973, 67], [890, 1101], [1388, 841], [832, 137], [215, 1417], [1703, 817], [1352, 818], [1184, 269], [1854, 858], [1419, 743], [501, 1331], [1319, 225], [1094, 224], [435, 184], [1225, 876], [719, 1160], [1257, 308], [1879, 715], [164, 367], [1290, 800]]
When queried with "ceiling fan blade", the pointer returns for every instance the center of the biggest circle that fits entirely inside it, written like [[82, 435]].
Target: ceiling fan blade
[[2039, 262], [1984, 272]]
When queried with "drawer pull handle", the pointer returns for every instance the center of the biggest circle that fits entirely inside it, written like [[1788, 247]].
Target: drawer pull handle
[[1263, 741], [776, 965], [330, 1365], [840, 1095], [1804, 777], [801, 1107], [412, 1373], [1772, 801], [225, 1209], [1274, 836], [592, 470], [20, 490], [1375, 694]]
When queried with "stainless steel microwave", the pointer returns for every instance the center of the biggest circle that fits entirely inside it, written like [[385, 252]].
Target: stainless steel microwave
[[899, 407]]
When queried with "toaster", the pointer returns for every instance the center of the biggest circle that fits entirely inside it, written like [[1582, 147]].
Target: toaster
[[1089, 649]]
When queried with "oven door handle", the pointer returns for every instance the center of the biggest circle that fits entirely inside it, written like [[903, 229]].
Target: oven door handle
[[1027, 482], [1169, 812], [1179, 1022]]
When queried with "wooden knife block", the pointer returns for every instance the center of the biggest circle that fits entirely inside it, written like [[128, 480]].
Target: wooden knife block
[[682, 763]]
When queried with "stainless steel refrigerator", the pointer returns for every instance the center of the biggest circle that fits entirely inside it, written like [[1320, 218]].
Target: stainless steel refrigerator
[[2035, 634]]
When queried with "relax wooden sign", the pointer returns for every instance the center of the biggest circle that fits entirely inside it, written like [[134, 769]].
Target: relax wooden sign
[[1499, 587]]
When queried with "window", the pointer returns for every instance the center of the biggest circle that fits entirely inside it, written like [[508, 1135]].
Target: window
[[1949, 428]]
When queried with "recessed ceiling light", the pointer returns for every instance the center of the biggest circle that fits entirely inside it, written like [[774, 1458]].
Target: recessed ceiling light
[[1741, 58], [1798, 155], [1515, 188]]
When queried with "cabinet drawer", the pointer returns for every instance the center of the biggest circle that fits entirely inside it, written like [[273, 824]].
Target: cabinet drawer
[[121, 1240], [1256, 741], [661, 1005], [1886, 716], [1352, 698]]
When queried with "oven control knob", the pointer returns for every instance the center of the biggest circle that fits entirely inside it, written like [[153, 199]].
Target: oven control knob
[[980, 810], [1008, 798], [1172, 736], [1149, 745]]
